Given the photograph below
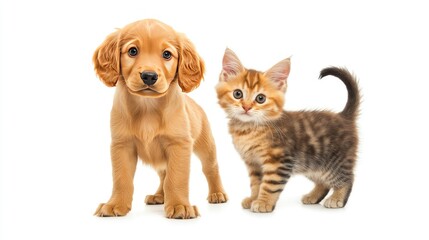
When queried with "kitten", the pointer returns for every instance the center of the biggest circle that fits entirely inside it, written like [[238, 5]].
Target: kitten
[[276, 144]]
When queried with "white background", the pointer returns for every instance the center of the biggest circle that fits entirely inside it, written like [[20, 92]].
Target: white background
[[55, 135]]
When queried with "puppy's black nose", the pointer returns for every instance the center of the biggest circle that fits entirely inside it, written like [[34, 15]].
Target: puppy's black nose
[[149, 78]]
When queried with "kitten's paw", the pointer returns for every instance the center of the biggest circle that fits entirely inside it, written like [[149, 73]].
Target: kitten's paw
[[181, 212], [218, 197], [260, 206], [112, 210], [247, 202], [309, 199], [333, 203], [154, 199], [316, 195]]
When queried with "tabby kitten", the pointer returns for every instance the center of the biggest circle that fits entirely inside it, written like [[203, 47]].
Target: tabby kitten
[[276, 144]]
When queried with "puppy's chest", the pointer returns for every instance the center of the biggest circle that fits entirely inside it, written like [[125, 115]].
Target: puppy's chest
[[147, 129], [148, 134]]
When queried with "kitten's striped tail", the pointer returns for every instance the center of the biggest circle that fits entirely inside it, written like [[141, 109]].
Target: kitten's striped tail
[[352, 106]]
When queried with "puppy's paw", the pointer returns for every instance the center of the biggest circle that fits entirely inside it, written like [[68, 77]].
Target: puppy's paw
[[112, 210], [247, 202], [260, 206], [218, 197], [154, 199], [181, 212]]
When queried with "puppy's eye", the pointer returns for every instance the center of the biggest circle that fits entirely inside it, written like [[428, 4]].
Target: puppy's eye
[[166, 55], [237, 94], [260, 98], [132, 52]]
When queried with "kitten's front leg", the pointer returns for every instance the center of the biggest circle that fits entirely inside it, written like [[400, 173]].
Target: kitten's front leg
[[255, 175], [275, 175]]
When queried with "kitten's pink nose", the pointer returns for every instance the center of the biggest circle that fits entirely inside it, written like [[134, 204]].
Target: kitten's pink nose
[[246, 108]]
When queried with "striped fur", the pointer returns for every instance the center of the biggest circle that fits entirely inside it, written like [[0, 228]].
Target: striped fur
[[276, 144]]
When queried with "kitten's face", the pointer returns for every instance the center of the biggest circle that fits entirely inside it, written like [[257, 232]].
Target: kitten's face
[[249, 95]]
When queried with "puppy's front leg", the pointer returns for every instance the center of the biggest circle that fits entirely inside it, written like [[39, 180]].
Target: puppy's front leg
[[124, 161], [176, 183]]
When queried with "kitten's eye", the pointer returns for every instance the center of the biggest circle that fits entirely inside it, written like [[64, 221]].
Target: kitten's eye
[[260, 98], [166, 55], [237, 94], [132, 52]]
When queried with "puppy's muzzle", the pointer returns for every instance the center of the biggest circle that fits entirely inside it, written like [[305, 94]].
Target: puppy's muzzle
[[149, 78]]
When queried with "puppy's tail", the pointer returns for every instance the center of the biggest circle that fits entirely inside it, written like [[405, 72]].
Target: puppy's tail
[[351, 109]]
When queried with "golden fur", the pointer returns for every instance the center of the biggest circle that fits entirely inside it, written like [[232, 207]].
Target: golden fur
[[156, 123]]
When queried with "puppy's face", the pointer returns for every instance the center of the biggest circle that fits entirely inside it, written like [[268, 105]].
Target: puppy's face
[[148, 56]]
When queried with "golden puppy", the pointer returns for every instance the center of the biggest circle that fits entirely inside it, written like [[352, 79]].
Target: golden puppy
[[150, 64]]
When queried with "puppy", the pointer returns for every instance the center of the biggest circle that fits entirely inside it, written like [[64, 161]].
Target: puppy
[[151, 65]]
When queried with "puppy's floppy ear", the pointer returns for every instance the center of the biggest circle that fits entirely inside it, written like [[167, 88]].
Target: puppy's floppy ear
[[106, 60], [191, 67]]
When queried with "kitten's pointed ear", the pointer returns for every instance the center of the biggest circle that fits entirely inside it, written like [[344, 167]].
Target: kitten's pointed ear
[[279, 73], [231, 65]]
